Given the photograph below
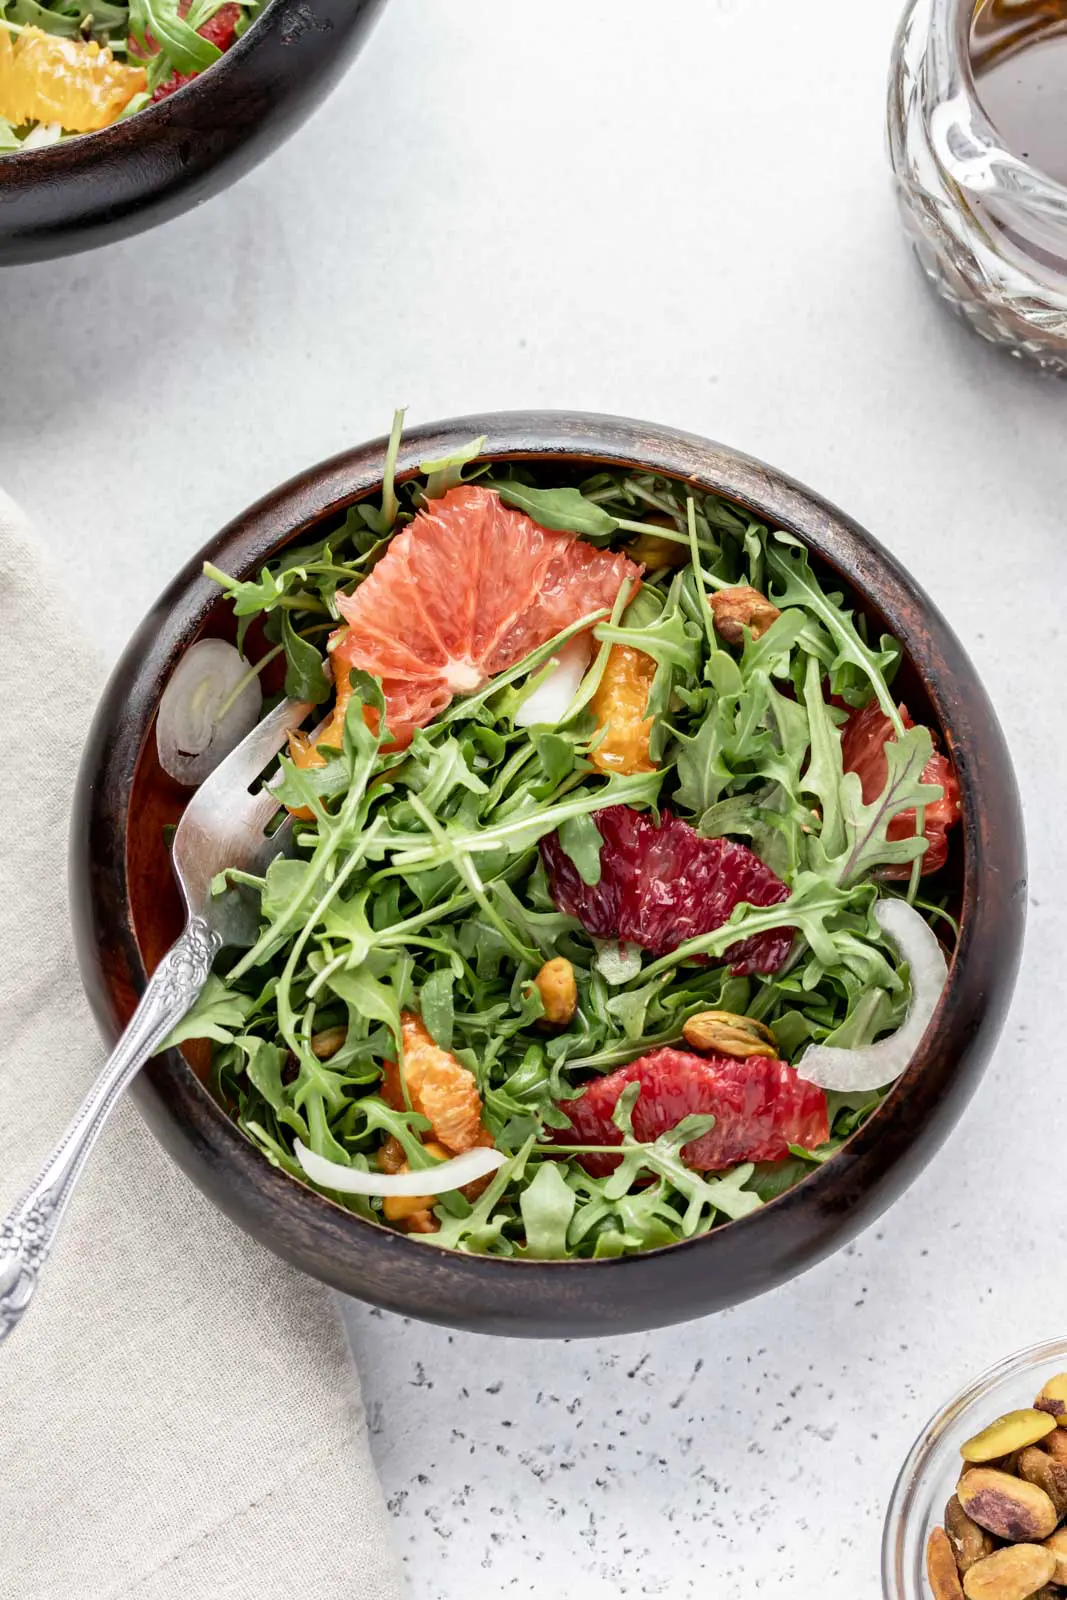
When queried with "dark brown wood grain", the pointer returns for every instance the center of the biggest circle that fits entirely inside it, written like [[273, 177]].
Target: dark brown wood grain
[[171, 156], [126, 910]]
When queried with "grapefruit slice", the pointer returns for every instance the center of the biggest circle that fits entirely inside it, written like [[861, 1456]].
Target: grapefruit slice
[[863, 741], [760, 1107], [45, 78], [468, 589]]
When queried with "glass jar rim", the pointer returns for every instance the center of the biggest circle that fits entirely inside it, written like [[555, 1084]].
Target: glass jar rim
[[968, 144], [987, 162]]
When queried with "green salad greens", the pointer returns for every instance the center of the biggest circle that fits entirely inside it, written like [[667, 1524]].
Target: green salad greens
[[415, 885], [74, 66]]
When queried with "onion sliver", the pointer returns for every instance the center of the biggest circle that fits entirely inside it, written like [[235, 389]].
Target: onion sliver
[[203, 713], [442, 1179], [875, 1066], [550, 701], [45, 133]]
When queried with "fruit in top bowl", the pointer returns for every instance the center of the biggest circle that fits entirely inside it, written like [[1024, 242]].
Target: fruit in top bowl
[[77, 68]]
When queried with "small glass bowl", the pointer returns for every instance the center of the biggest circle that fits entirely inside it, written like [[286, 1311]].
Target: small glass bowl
[[928, 1478]]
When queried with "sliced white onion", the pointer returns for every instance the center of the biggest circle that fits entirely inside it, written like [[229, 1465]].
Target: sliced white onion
[[454, 1174], [550, 701], [200, 719], [877, 1065], [44, 134]]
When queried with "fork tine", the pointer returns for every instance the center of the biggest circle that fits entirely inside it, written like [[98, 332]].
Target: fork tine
[[279, 844], [222, 826], [231, 779], [259, 809]]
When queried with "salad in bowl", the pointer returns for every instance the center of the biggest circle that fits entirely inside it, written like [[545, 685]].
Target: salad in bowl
[[619, 886], [77, 66]]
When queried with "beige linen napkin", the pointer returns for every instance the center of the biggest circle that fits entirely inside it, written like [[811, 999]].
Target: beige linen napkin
[[179, 1415]]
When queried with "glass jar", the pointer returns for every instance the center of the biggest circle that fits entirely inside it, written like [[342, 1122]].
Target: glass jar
[[989, 228], [928, 1478]]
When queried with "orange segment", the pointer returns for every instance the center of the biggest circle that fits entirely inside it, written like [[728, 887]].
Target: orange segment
[[620, 704], [413, 1212], [304, 751], [44, 78], [468, 589], [439, 1086], [443, 1090]]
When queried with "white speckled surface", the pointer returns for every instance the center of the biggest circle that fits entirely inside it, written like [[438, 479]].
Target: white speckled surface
[[680, 212]]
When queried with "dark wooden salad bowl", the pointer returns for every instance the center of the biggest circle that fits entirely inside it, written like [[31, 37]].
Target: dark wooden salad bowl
[[170, 156], [126, 913]]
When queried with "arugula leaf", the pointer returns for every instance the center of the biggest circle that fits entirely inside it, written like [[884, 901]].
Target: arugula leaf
[[788, 560], [560, 510], [437, 1007], [219, 1013], [866, 844], [390, 503], [447, 473], [547, 1207], [304, 675], [581, 840], [186, 50], [265, 1064], [824, 776], [703, 773]]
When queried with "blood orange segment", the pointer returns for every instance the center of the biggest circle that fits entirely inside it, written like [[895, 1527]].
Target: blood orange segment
[[760, 1106], [863, 741], [619, 705], [464, 592], [72, 82], [661, 885]]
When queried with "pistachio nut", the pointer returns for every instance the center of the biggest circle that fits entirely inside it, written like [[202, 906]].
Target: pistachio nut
[[1053, 1398], [559, 992], [1013, 1574], [328, 1042], [726, 1034], [1036, 1466], [1006, 1506], [1058, 1547], [970, 1543], [655, 553], [1009, 1433], [739, 608], [941, 1567]]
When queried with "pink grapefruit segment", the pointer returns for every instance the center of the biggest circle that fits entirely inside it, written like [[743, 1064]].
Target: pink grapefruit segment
[[468, 589], [760, 1107]]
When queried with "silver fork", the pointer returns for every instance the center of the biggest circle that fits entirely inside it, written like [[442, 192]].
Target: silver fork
[[223, 826]]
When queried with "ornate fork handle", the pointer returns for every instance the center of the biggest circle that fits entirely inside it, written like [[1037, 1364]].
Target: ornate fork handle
[[28, 1232]]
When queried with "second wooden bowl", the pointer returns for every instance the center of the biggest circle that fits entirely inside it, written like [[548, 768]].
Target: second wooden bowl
[[171, 156]]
